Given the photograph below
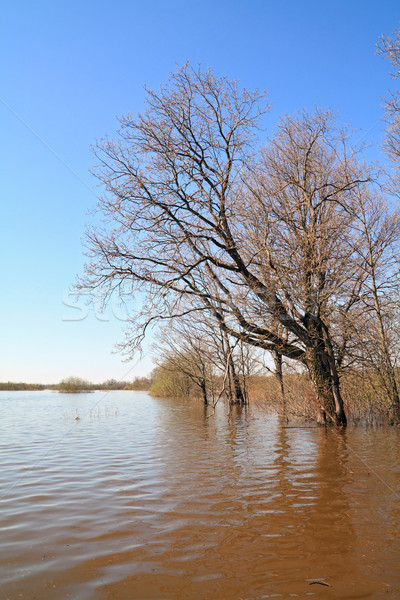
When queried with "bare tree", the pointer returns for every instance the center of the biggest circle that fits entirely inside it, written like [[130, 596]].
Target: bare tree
[[376, 321], [196, 218], [389, 47], [301, 238], [181, 348], [196, 346]]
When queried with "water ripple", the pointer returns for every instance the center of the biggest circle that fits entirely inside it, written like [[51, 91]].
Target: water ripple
[[151, 499]]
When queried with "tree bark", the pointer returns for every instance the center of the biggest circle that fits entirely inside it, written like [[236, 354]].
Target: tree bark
[[277, 358], [237, 395], [325, 381], [204, 392]]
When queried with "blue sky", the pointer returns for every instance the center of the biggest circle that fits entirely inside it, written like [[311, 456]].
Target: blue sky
[[67, 69]]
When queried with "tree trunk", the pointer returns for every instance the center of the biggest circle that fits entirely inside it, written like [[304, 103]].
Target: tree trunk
[[325, 381], [204, 392], [234, 388], [237, 396], [277, 358]]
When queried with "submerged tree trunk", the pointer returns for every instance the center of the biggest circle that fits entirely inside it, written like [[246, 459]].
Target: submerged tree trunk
[[277, 358], [325, 380], [237, 392], [203, 388]]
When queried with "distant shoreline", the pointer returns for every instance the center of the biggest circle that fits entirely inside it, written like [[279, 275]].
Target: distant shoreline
[[139, 384], [20, 387]]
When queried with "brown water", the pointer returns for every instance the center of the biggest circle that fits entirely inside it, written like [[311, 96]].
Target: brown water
[[148, 499]]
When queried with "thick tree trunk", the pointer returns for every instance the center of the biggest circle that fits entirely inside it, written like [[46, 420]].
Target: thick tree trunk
[[325, 381]]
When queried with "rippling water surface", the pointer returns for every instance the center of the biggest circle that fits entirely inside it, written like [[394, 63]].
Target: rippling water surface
[[139, 498]]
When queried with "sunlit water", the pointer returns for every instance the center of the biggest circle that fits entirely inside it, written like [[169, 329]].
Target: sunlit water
[[141, 498]]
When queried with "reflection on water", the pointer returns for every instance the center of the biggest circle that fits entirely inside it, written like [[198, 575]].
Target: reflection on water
[[151, 499]]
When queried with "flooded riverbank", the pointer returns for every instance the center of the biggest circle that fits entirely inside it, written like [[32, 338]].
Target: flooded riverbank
[[121, 496]]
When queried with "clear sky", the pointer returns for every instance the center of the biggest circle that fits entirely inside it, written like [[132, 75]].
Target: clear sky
[[68, 68]]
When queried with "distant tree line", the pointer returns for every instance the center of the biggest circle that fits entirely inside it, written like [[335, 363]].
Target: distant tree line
[[13, 386], [72, 385], [78, 385]]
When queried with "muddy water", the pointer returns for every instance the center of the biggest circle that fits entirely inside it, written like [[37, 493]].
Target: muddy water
[[147, 499]]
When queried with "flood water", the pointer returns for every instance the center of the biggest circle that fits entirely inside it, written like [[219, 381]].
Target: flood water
[[142, 498]]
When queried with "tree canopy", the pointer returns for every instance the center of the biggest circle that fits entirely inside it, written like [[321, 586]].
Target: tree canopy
[[264, 238]]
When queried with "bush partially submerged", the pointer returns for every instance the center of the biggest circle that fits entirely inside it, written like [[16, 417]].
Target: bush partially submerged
[[74, 385]]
